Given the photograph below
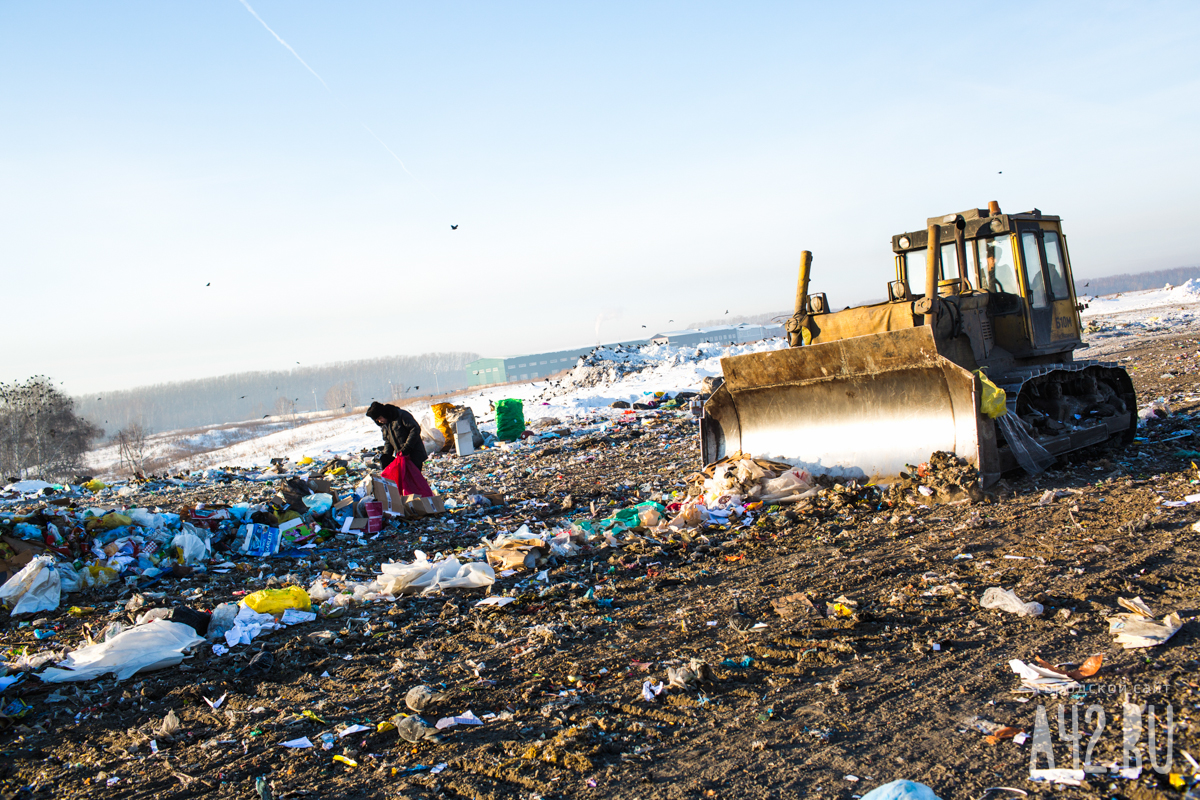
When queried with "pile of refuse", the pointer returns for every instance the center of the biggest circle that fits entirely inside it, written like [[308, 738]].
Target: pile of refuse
[[944, 478]]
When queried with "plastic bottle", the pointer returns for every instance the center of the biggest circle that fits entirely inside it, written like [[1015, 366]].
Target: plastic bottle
[[222, 621]]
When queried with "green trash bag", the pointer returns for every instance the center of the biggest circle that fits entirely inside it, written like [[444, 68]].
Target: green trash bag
[[510, 420]]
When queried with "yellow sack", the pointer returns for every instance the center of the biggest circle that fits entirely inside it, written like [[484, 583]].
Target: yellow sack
[[276, 601], [440, 410], [94, 485], [109, 521], [97, 575], [304, 462], [995, 402]]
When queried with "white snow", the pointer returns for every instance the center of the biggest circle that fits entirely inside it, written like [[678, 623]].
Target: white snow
[[1187, 294], [659, 368]]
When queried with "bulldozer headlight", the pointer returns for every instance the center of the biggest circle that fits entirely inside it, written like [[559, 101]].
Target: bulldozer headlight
[[904, 242]]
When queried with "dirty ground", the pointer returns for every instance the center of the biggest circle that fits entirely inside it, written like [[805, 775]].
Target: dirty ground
[[832, 645]]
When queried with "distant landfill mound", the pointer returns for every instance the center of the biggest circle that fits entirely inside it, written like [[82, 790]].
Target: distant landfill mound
[[1098, 287]]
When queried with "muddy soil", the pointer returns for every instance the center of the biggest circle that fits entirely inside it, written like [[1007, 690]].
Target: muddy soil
[[845, 638]]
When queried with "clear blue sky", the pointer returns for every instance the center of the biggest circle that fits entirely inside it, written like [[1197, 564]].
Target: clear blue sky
[[640, 162]]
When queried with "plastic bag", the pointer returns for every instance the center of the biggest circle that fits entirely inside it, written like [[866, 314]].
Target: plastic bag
[[510, 420], [35, 588], [143, 648], [146, 519], [1007, 600], [994, 401], [1032, 457], [222, 621], [440, 412], [276, 601], [191, 548], [1158, 409], [69, 579], [97, 575], [433, 439], [426, 576], [319, 503]]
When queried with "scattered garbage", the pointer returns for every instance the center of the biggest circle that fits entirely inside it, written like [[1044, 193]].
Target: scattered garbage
[[1039, 680], [1138, 627], [564, 606], [1007, 600]]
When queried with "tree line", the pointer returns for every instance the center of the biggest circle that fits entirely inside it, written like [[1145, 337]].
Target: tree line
[[255, 395], [1125, 282]]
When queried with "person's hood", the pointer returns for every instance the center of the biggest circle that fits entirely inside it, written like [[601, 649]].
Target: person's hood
[[378, 409]]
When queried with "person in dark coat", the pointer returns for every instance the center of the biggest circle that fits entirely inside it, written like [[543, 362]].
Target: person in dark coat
[[401, 434]]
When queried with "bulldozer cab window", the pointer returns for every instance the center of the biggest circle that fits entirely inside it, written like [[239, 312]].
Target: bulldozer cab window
[[997, 269], [1034, 270], [950, 267], [1055, 266], [915, 264]]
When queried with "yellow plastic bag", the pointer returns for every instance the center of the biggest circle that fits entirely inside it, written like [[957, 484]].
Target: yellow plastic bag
[[304, 462], [109, 521], [276, 601], [94, 485], [995, 401], [96, 575], [440, 410]]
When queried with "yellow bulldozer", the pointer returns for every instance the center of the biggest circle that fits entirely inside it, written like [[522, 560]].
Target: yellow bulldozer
[[867, 392]]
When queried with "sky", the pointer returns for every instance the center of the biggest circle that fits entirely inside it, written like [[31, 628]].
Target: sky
[[182, 197]]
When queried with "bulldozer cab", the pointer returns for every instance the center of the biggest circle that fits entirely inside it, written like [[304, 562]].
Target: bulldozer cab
[[1019, 260]]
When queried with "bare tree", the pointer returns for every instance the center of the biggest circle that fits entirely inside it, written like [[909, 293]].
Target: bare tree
[[340, 396], [133, 448], [286, 409], [40, 434]]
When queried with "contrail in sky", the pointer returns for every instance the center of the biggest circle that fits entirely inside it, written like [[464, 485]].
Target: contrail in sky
[[279, 39]]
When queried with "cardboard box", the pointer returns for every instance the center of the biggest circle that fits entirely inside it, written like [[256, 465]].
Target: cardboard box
[[463, 444], [260, 540], [320, 485], [411, 506]]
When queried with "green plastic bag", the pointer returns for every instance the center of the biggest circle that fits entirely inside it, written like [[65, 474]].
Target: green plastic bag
[[643, 515], [995, 402], [510, 420]]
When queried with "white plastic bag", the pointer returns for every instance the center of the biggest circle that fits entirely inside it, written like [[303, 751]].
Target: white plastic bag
[[145, 518], [69, 579], [35, 588], [192, 549], [425, 576], [147, 647], [433, 439], [1007, 600]]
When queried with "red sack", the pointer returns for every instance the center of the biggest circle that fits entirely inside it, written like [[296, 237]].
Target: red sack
[[407, 476]]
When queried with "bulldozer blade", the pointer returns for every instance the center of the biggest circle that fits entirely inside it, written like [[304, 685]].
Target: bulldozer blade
[[863, 407]]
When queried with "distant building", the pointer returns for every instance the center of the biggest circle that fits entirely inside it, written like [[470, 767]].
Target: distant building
[[725, 334], [487, 371]]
